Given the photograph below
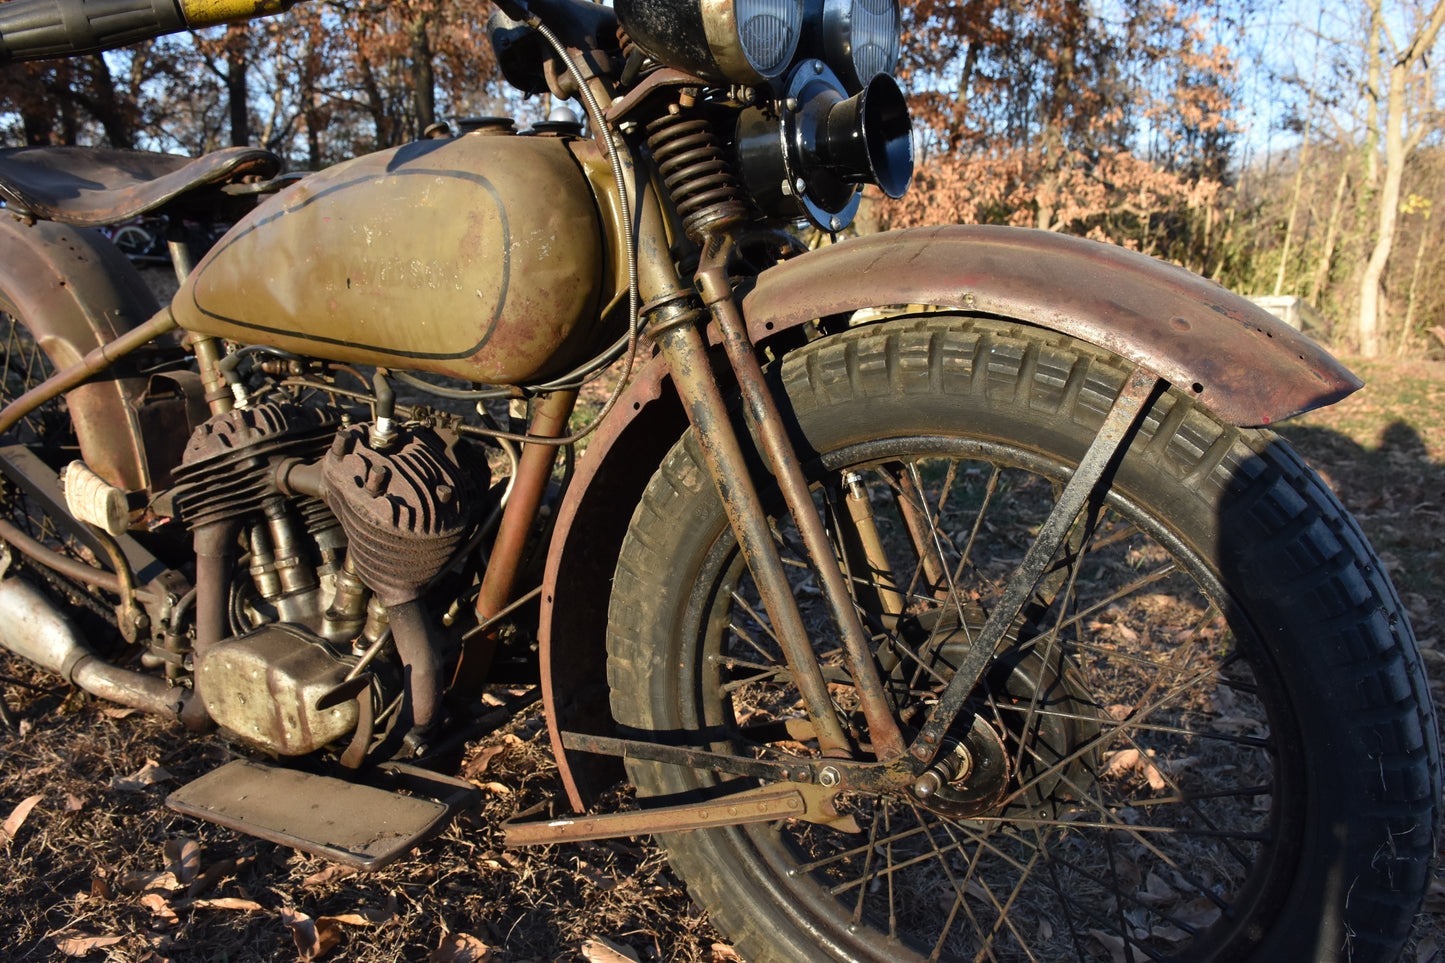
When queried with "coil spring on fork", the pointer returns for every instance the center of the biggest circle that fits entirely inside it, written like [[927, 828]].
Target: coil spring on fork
[[695, 171]]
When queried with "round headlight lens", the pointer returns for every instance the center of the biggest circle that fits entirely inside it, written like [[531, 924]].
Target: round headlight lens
[[768, 31], [860, 39], [733, 41]]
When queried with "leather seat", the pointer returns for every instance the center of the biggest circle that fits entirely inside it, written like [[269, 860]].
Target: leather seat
[[93, 186]]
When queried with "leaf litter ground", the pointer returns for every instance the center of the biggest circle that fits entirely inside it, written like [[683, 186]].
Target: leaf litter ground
[[92, 865]]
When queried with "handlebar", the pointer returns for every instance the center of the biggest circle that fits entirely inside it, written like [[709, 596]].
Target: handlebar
[[37, 29]]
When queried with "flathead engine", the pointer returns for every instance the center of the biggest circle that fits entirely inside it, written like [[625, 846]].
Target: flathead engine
[[339, 528]]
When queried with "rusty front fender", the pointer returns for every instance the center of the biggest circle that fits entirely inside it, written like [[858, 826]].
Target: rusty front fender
[[1236, 359], [1233, 357]]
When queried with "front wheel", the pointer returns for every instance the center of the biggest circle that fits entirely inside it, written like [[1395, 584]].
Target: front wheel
[[1207, 736]]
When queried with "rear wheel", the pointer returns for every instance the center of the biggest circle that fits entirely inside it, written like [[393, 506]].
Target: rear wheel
[[1207, 738]]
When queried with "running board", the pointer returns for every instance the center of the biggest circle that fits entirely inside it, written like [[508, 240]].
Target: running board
[[346, 822]]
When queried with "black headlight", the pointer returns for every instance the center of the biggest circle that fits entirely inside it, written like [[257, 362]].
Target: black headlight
[[731, 41], [857, 39]]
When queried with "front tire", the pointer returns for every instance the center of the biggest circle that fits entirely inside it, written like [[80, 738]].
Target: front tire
[[1211, 736]]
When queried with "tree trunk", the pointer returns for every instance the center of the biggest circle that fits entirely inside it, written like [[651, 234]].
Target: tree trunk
[[1397, 150], [237, 69], [1332, 233], [1414, 284], [423, 76]]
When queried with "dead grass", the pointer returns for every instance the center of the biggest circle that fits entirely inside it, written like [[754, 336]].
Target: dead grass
[[100, 868]]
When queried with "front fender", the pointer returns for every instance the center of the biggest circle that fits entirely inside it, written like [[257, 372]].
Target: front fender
[[1234, 358], [1243, 364]]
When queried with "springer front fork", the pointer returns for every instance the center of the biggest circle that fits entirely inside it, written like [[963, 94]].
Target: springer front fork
[[914, 757]]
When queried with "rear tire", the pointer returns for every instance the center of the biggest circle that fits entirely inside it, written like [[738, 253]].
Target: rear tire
[[1217, 737]]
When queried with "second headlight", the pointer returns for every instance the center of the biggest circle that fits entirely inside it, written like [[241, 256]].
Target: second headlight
[[857, 39]]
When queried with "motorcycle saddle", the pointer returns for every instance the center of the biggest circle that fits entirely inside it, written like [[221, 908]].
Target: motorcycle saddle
[[94, 186]]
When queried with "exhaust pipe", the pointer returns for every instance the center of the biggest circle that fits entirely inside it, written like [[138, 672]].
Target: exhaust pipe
[[34, 629]]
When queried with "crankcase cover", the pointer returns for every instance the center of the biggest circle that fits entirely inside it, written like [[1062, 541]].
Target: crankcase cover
[[479, 257], [263, 688]]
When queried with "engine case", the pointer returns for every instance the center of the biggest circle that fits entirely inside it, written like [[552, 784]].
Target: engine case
[[480, 257], [263, 688]]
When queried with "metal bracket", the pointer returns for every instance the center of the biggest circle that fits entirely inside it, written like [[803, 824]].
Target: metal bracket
[[796, 769], [757, 805], [1112, 436]]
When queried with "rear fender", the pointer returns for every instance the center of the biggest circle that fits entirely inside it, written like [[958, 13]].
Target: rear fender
[[76, 292], [1231, 356]]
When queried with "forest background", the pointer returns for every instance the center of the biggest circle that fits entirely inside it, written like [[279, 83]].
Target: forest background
[[1292, 148]]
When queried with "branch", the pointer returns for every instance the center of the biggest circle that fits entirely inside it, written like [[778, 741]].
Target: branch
[[1425, 39]]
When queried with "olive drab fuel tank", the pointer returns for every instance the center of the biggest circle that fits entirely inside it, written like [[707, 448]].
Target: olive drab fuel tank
[[479, 256]]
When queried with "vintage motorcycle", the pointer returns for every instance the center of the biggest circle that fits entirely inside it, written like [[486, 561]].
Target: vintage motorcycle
[[941, 590]]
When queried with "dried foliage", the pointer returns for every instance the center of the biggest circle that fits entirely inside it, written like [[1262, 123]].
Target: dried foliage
[[1053, 117], [96, 867]]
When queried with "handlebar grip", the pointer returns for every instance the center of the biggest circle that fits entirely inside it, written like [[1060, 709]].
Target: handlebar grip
[[36, 29], [33, 29]]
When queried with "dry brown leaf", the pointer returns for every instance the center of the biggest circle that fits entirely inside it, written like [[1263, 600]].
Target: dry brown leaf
[[143, 882], [16, 818], [100, 889], [1428, 951], [118, 712], [1198, 914], [1125, 760], [148, 775], [314, 938], [161, 908], [1112, 943], [460, 948], [73, 803], [349, 919], [1156, 892], [183, 858], [1171, 933], [214, 874], [76, 943], [228, 902], [721, 953], [481, 760], [493, 787], [599, 950], [330, 874]]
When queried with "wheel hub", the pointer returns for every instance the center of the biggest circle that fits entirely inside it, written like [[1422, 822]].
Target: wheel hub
[[970, 779]]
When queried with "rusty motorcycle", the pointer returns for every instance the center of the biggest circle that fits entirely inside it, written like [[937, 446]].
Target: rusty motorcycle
[[943, 592]]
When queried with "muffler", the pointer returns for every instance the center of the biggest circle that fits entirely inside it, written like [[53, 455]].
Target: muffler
[[34, 629]]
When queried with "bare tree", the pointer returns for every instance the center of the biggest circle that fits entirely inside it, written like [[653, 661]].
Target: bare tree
[[1408, 98]]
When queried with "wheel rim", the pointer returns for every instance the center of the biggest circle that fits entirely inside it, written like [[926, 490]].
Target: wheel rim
[[1141, 816]]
